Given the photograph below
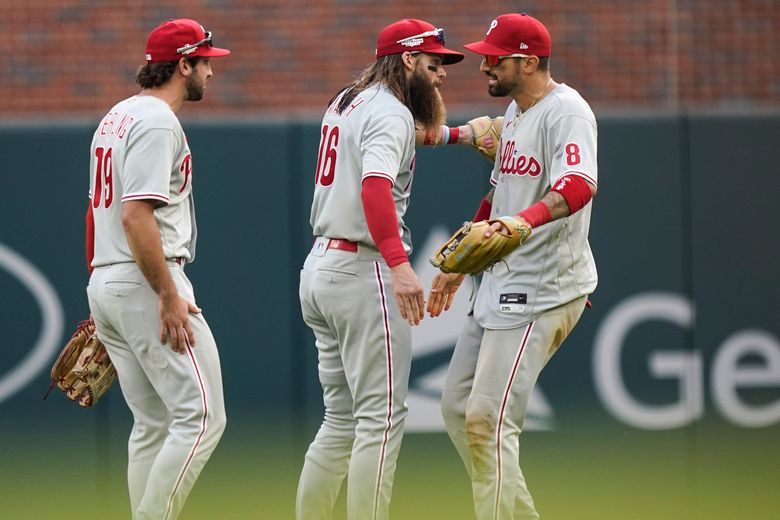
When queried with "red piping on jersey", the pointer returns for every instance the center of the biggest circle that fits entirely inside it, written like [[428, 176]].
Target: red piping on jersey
[[200, 435], [583, 175], [389, 419], [90, 236], [137, 196], [502, 410], [381, 219]]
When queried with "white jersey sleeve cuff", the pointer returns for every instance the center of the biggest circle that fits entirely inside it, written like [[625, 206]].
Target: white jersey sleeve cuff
[[580, 174], [146, 196], [379, 174]]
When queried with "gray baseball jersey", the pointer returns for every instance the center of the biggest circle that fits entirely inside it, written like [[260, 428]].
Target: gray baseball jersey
[[380, 131], [556, 137], [139, 152], [364, 345]]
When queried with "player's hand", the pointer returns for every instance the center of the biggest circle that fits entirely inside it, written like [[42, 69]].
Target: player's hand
[[499, 226], [175, 322], [495, 227], [442, 292], [465, 134], [408, 293]]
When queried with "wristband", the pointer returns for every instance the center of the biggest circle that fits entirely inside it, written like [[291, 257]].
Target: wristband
[[447, 135], [537, 214], [454, 134]]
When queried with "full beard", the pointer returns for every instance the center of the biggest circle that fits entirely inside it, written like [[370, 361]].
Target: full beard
[[427, 106], [194, 89], [498, 89]]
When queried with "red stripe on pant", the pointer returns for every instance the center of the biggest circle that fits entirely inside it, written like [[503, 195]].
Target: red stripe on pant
[[504, 401], [200, 435], [389, 354]]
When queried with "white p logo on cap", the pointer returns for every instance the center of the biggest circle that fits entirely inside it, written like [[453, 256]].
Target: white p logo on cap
[[493, 25]]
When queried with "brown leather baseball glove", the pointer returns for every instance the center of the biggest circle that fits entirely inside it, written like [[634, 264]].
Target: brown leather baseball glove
[[487, 135], [469, 252], [83, 369]]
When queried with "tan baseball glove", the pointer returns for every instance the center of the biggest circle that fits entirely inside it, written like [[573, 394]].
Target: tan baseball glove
[[83, 369], [469, 252], [487, 135]]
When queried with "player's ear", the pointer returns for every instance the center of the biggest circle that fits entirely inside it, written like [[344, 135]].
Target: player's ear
[[408, 61], [530, 64], [184, 67]]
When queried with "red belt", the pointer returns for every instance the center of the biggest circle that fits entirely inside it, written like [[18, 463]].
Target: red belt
[[343, 245], [180, 260]]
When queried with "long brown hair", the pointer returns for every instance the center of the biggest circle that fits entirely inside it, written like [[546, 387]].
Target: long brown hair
[[388, 70]]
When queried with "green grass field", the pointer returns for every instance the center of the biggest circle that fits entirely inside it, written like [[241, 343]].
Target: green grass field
[[612, 475]]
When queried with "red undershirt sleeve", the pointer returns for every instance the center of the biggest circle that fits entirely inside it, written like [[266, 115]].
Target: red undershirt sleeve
[[382, 220], [483, 213], [90, 236]]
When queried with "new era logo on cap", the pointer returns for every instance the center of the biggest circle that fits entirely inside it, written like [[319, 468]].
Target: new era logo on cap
[[514, 34]]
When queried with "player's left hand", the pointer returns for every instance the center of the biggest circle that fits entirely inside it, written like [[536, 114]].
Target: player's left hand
[[442, 292]]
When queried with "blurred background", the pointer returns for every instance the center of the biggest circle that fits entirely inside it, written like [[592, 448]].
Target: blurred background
[[663, 404]]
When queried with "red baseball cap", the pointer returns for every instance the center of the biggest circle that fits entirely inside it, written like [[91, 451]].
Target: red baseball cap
[[414, 35], [514, 34], [180, 38]]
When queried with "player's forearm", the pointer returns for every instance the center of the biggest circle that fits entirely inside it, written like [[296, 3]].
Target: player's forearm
[[564, 199], [382, 221], [143, 237]]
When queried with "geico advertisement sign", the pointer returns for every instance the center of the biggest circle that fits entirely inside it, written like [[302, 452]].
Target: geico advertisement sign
[[684, 367]]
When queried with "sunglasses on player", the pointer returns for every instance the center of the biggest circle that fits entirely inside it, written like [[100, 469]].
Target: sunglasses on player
[[417, 39], [493, 61], [192, 46]]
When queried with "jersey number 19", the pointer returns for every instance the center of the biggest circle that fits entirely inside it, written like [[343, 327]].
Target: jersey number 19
[[103, 179]]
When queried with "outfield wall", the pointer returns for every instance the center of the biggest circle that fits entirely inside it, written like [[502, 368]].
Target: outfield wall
[[683, 336]]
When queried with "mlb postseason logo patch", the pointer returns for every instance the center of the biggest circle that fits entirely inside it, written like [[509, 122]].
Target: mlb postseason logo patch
[[512, 303]]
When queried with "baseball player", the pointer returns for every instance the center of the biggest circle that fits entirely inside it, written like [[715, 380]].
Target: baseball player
[[141, 178], [359, 264], [545, 173]]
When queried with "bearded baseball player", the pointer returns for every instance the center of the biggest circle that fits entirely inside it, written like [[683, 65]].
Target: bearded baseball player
[[545, 174], [358, 291], [141, 181]]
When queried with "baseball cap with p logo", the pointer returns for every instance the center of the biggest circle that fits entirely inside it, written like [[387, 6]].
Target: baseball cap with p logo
[[414, 35], [180, 38], [513, 34]]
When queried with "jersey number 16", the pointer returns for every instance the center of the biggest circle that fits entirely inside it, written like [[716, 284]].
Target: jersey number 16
[[326, 157]]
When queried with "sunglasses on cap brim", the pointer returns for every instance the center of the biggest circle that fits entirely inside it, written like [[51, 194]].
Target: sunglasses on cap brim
[[191, 47], [417, 39]]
